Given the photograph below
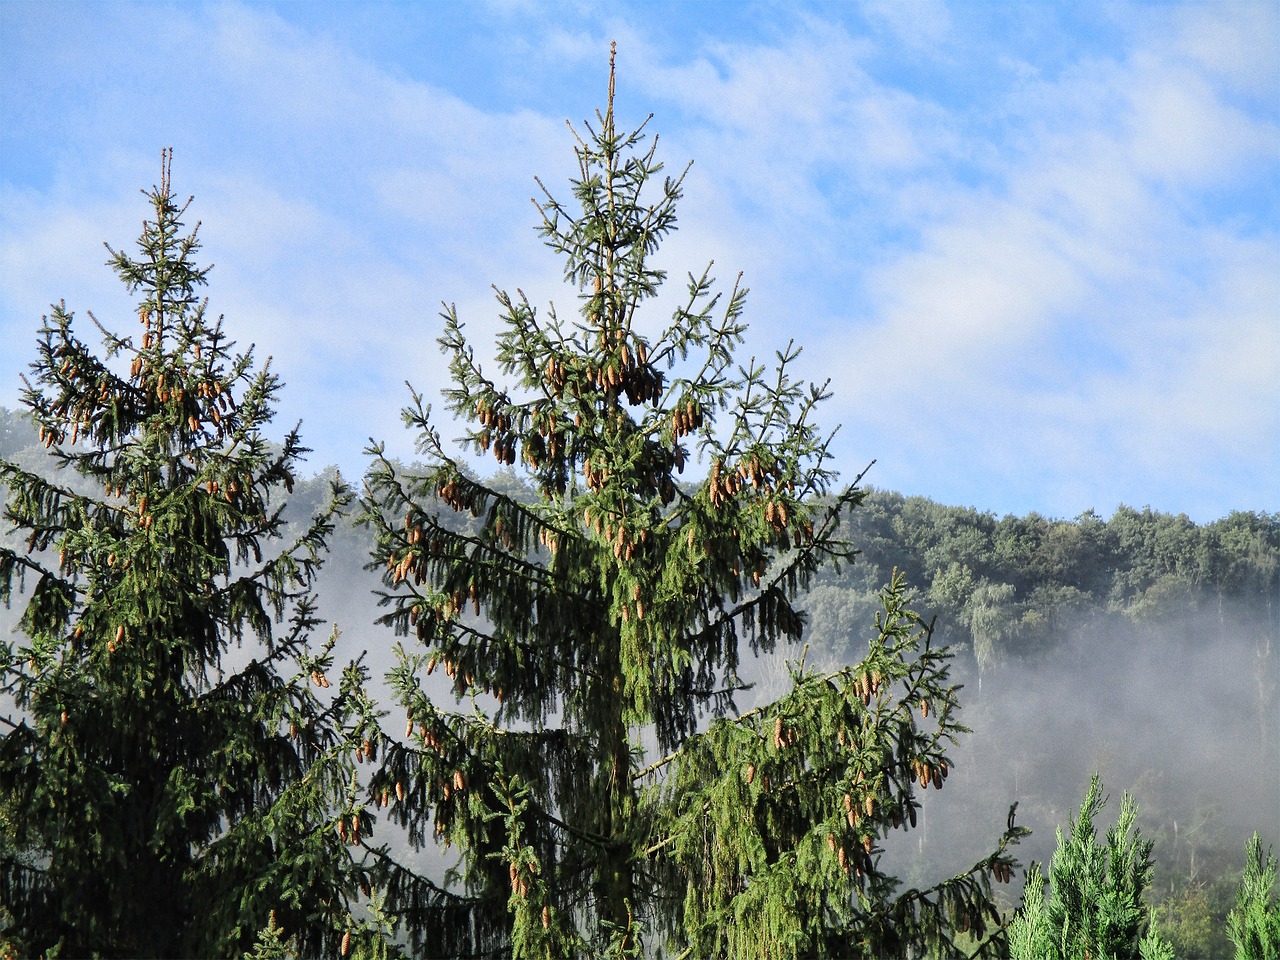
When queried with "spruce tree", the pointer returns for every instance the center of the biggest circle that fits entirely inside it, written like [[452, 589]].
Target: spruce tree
[[173, 762], [1253, 925], [591, 631], [1095, 910]]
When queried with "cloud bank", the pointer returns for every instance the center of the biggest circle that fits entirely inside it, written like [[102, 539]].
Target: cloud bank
[[1036, 254]]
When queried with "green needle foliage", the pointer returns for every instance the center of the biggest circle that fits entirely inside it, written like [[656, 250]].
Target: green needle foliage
[[172, 763], [590, 631], [1254, 925], [778, 854], [1096, 911]]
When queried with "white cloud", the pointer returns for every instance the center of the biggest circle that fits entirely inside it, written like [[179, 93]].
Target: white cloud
[[1084, 320], [920, 24], [1236, 42], [51, 252], [1053, 273], [1185, 134]]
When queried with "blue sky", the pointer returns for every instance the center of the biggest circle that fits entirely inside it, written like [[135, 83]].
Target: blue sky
[[1035, 247]]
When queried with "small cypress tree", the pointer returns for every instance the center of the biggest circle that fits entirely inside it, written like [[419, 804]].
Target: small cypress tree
[[171, 767], [1095, 910], [1254, 924], [590, 629]]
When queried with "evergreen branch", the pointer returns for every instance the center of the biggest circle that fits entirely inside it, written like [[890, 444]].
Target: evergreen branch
[[381, 854], [801, 559], [10, 558]]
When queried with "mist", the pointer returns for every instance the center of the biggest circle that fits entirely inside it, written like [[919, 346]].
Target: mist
[[1181, 714], [1180, 711], [1176, 706]]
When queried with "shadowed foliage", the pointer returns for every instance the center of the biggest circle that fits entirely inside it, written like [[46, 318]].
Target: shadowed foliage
[[172, 761]]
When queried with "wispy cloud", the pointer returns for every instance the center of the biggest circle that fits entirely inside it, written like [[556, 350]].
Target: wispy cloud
[[1038, 256], [1087, 315]]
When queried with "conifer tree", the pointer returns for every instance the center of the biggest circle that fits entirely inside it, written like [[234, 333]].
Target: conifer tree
[[1253, 925], [590, 631], [1096, 908], [172, 762]]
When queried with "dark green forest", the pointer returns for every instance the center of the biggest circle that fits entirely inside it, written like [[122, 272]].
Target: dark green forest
[[1142, 644]]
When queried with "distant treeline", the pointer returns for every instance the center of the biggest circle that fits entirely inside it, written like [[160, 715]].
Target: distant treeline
[[1003, 587], [1014, 586]]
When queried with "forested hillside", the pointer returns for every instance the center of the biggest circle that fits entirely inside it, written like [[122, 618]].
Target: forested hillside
[[1015, 587], [1141, 644]]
